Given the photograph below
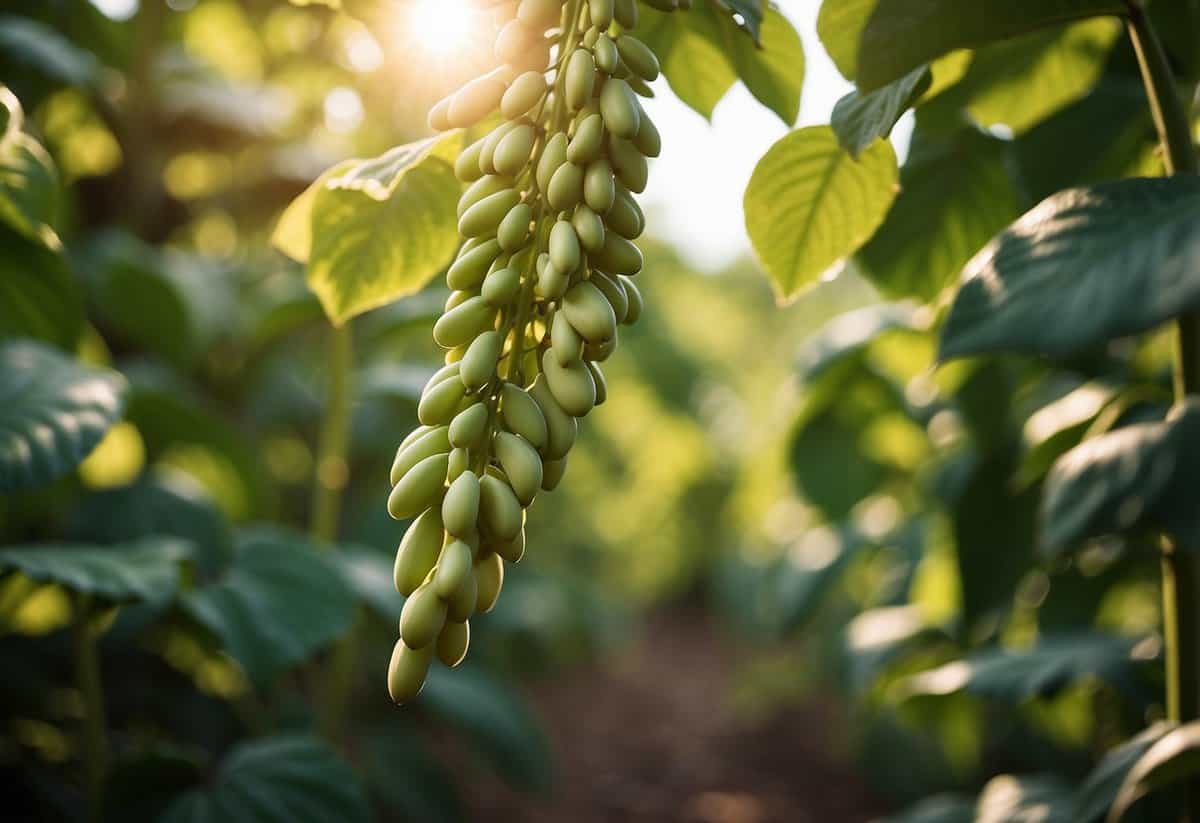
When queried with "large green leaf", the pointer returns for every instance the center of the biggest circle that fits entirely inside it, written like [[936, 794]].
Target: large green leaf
[[378, 229], [38, 296], [1076, 271], [53, 412], [840, 25], [904, 34], [774, 70], [29, 184], [279, 601], [690, 49], [955, 195], [852, 331], [810, 205], [1144, 475], [293, 778], [143, 570], [861, 119], [1172, 758], [1097, 793]]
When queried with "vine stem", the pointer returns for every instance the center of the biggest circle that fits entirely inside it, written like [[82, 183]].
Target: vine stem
[[1180, 569], [329, 482], [87, 675]]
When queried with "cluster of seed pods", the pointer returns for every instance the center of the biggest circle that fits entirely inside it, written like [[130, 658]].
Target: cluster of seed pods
[[540, 286]]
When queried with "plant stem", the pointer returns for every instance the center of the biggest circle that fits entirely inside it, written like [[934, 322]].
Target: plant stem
[[87, 674], [1180, 569]]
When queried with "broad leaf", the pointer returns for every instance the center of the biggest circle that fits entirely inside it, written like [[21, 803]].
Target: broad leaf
[[810, 205], [29, 184], [1077, 271], [1137, 476], [38, 296], [861, 119], [808, 572], [904, 34], [29, 48], [774, 70], [955, 195], [368, 573], [840, 25], [943, 808], [852, 331], [277, 603], [1171, 759], [749, 15], [1025, 799], [53, 412], [410, 780], [1098, 792], [293, 778], [144, 570], [690, 49]]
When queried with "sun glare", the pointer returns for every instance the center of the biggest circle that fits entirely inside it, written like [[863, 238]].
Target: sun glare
[[444, 27]]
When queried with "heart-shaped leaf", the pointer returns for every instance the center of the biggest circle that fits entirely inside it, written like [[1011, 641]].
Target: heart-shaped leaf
[[53, 412], [140, 571], [293, 778], [279, 601], [810, 205]]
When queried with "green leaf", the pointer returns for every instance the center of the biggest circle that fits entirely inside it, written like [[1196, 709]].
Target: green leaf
[[144, 570], [1074, 272], [942, 808], [810, 205], [408, 780], [690, 49], [840, 25], [1138, 476], [53, 412], [861, 119], [278, 602], [753, 15], [774, 70], [809, 570], [1098, 792], [29, 47], [1011, 798], [380, 228], [29, 184], [38, 295], [495, 719], [904, 34], [854, 330], [1013, 676], [368, 573], [955, 195], [293, 778], [1171, 759]]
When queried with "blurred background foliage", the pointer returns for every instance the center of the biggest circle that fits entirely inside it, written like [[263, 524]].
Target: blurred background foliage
[[836, 501]]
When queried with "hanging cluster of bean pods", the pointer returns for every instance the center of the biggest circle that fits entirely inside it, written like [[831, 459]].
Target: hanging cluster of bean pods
[[544, 279]]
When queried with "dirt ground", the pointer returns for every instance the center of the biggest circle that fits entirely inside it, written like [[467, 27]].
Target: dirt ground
[[652, 736]]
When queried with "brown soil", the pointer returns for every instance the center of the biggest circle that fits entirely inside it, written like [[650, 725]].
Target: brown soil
[[652, 736]]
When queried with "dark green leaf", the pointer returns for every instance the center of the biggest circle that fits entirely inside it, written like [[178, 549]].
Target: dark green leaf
[[1095, 797], [38, 296], [1075, 271], [861, 119], [851, 332], [368, 573], [53, 412], [1143, 475], [410, 781], [810, 205], [278, 602], [945, 808], [1172, 758], [809, 570], [748, 15], [29, 46], [904, 34], [145, 570], [142, 785], [293, 778], [1025, 799]]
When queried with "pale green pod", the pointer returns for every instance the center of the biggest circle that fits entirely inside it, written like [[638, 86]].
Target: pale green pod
[[455, 354], [553, 155], [561, 428], [552, 473], [513, 232], [648, 141], [466, 167], [479, 363], [407, 672], [522, 95], [588, 227], [453, 565], [500, 514], [535, 58], [434, 441], [469, 426], [487, 154], [513, 152], [501, 287], [460, 510], [460, 461], [601, 12], [599, 187], [580, 79], [439, 116], [464, 322], [607, 58], [566, 188], [614, 292], [635, 300], [521, 463], [462, 603], [420, 488], [625, 217], [481, 188], [625, 12], [620, 108], [565, 342], [589, 312], [619, 256], [601, 351], [422, 617], [412, 436], [521, 415], [598, 379], [588, 141], [571, 385], [628, 164], [511, 550], [638, 56], [551, 282], [438, 405], [444, 373], [539, 14], [564, 247], [453, 642], [640, 87], [419, 551], [483, 218], [489, 579], [471, 266], [475, 100], [457, 298], [514, 41]]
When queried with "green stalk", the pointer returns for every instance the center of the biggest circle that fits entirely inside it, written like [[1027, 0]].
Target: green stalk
[[1180, 569], [87, 675]]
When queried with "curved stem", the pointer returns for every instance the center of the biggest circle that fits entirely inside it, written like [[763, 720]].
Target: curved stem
[[87, 675]]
